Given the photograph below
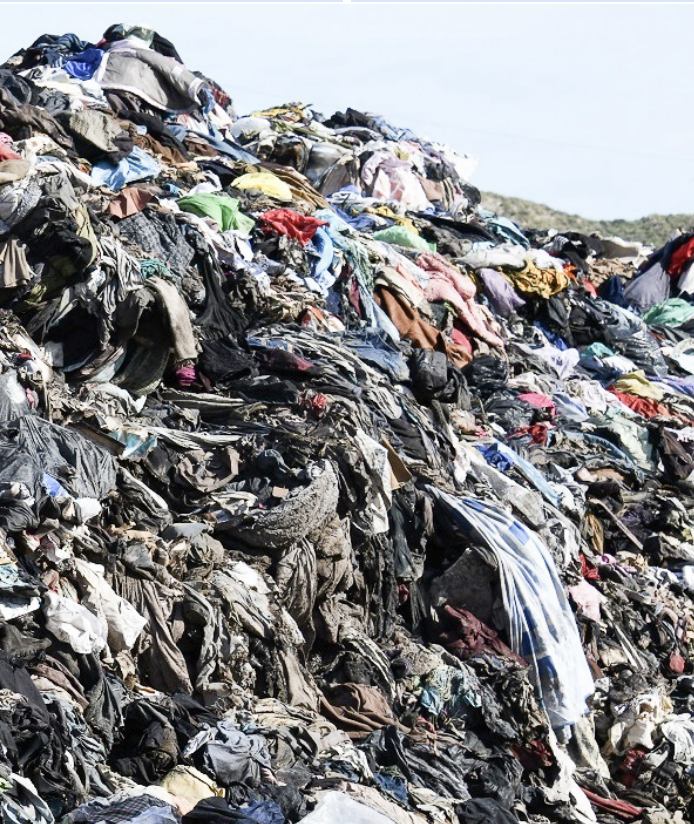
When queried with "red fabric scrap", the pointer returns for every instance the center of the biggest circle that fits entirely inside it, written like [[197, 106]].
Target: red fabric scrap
[[534, 755], [680, 258], [464, 635], [539, 401], [459, 337], [539, 432], [186, 376], [354, 298], [644, 406], [588, 571], [316, 403], [677, 663], [617, 808], [291, 224], [590, 288], [630, 767], [6, 153], [312, 317], [280, 360]]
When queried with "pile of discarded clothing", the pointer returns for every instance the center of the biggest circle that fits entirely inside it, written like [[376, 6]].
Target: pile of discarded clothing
[[325, 495]]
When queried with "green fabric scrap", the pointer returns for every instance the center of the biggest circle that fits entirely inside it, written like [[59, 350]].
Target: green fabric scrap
[[400, 236], [224, 210]]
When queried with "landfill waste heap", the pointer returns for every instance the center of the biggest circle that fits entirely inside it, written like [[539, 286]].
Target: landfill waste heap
[[325, 495]]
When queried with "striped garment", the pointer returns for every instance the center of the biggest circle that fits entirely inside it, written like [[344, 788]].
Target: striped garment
[[540, 623]]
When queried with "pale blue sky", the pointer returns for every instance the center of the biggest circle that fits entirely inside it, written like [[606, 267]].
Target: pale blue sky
[[587, 108]]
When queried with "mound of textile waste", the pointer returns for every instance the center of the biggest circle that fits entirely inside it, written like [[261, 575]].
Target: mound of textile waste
[[325, 495]]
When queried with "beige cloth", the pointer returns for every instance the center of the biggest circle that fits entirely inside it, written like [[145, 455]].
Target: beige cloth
[[12, 170], [98, 128], [189, 786], [14, 267], [176, 310]]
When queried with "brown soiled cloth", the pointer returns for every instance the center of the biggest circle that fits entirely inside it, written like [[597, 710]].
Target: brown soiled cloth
[[356, 709], [130, 201], [414, 328]]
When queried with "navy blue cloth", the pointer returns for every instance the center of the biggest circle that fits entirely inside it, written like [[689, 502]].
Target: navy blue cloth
[[216, 811], [83, 65], [377, 350], [613, 290], [495, 458], [553, 337], [55, 50], [391, 785], [265, 812], [600, 371]]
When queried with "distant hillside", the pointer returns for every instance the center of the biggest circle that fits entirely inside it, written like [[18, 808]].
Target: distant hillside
[[654, 229]]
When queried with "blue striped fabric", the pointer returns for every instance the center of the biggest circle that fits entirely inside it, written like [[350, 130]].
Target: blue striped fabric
[[540, 623]]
